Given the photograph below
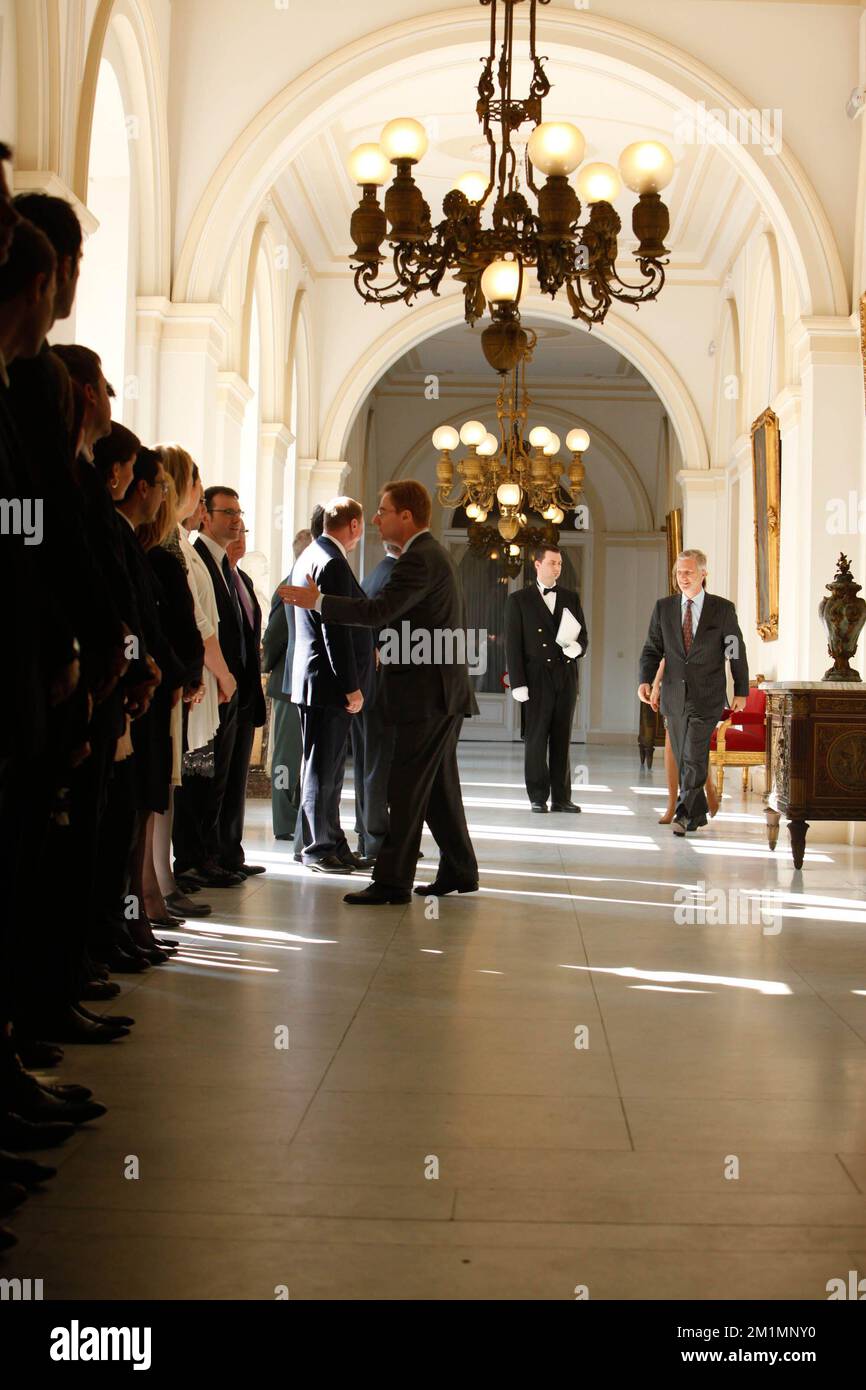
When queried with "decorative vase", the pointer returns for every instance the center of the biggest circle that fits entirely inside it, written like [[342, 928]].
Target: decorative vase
[[843, 614]]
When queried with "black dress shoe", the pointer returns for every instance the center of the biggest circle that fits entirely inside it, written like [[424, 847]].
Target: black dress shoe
[[32, 1103], [67, 1090], [17, 1133], [364, 861], [212, 876], [330, 864], [377, 895], [440, 887], [187, 884], [298, 858], [249, 870], [155, 955], [539, 806], [679, 826], [565, 806], [125, 962], [179, 904], [170, 920], [96, 990], [24, 1170], [12, 1194], [36, 1055], [71, 1026], [110, 1020]]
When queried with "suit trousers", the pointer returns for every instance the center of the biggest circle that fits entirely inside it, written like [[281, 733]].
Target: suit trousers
[[372, 754], [690, 740], [288, 750], [425, 785], [549, 714], [325, 731], [198, 801], [231, 824]]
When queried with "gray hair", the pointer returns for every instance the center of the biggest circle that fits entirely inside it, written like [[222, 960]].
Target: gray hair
[[698, 556]]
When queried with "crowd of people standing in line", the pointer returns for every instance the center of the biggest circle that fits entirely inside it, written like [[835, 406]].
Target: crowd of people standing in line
[[130, 697]]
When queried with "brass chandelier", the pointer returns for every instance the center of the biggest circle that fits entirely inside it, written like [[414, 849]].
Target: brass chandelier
[[489, 260], [514, 473]]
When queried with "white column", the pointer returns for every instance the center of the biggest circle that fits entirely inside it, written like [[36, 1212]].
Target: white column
[[233, 395], [326, 481], [144, 386], [274, 518], [191, 348], [789, 657], [705, 519], [825, 472], [303, 505]]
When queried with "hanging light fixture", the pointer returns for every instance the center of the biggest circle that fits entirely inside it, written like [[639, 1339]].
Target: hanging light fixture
[[510, 473], [490, 260]]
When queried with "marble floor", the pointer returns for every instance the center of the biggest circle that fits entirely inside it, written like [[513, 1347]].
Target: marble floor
[[631, 1065]]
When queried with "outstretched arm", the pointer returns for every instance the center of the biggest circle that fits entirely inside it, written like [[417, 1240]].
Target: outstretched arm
[[407, 584]]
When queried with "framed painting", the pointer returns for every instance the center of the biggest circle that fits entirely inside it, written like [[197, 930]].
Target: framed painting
[[674, 533], [767, 478]]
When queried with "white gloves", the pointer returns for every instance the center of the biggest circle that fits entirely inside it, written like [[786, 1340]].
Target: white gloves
[[521, 693]]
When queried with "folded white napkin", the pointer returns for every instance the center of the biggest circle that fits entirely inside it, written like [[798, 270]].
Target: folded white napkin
[[568, 634]]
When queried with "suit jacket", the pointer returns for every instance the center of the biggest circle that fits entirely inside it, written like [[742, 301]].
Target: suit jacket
[[233, 639], [254, 709], [423, 592], [329, 660], [278, 648], [699, 678], [530, 635]]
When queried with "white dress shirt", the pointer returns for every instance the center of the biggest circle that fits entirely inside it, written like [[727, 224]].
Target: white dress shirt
[[217, 551], [697, 606], [549, 600]]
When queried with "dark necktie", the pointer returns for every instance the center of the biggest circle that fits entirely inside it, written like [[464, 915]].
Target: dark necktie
[[236, 603], [688, 632], [548, 591]]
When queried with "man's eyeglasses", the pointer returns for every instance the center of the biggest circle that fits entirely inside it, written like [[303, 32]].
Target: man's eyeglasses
[[163, 483], [227, 511], [383, 511]]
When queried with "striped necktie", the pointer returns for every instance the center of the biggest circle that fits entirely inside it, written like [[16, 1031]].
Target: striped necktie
[[688, 631]]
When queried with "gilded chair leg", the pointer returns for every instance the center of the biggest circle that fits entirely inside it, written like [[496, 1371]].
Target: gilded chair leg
[[720, 780], [745, 780]]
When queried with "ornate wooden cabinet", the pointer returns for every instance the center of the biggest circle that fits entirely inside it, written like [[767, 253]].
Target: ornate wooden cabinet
[[816, 756]]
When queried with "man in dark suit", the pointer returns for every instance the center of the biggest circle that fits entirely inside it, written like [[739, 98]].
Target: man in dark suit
[[373, 740], [199, 802], [543, 677], [251, 716], [696, 633], [427, 694], [332, 676]]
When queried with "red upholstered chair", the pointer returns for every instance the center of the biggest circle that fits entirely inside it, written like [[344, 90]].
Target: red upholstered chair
[[741, 738]]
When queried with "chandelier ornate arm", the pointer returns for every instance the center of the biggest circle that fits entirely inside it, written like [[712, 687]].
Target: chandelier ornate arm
[[580, 257]]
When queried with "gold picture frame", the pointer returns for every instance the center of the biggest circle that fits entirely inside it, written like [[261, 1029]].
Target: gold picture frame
[[767, 479], [674, 534]]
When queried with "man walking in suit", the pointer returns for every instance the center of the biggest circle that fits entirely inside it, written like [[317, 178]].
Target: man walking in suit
[[199, 802], [251, 716], [332, 676], [427, 698], [373, 741], [696, 633], [543, 676]]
